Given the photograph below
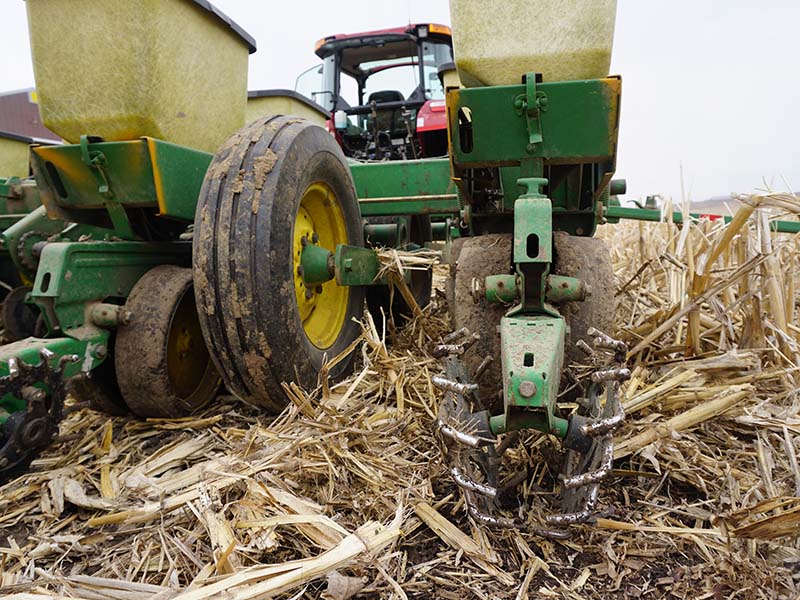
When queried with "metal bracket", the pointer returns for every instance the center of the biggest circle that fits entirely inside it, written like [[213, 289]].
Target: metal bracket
[[533, 246], [96, 161], [507, 289], [532, 354], [529, 105]]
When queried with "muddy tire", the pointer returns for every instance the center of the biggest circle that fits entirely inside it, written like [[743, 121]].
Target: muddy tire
[[100, 389], [254, 315], [450, 284], [162, 364], [587, 259], [19, 319], [478, 257], [379, 297]]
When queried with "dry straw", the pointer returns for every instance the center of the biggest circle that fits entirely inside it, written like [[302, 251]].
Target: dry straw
[[345, 493]]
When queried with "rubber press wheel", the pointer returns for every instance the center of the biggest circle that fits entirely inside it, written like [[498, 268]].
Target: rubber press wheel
[[19, 318], [450, 286], [587, 259], [478, 257], [163, 366], [100, 389], [271, 185], [379, 297]]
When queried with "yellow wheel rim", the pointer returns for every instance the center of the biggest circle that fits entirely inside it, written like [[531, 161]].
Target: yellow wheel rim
[[322, 308], [187, 356]]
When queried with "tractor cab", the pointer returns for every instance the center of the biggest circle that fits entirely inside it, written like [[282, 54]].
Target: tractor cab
[[384, 91]]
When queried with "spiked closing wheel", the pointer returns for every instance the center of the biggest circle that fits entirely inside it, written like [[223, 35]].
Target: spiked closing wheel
[[41, 388]]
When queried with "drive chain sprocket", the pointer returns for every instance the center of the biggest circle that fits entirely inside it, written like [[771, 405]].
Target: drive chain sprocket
[[27, 432], [25, 248], [473, 453]]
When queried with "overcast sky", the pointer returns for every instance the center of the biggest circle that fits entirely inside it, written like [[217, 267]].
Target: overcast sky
[[710, 84]]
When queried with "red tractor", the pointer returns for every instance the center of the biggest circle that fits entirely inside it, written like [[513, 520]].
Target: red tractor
[[384, 90]]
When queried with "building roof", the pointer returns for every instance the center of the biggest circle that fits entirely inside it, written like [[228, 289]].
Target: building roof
[[19, 115], [27, 140]]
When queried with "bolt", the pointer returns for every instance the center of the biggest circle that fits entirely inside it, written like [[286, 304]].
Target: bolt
[[300, 270], [309, 294], [318, 289], [125, 317], [315, 238], [348, 264], [527, 389], [32, 394], [101, 351], [304, 241]]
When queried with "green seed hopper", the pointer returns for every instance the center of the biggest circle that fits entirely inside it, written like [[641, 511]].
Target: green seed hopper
[[176, 71]]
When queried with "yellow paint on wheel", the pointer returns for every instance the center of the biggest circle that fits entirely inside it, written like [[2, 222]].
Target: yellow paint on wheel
[[321, 312], [187, 356]]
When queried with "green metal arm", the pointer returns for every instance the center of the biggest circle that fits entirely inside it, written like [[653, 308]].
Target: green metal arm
[[614, 213], [73, 275]]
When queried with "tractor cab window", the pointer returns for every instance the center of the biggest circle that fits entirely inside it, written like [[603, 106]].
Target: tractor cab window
[[434, 55], [381, 82], [317, 82], [390, 80]]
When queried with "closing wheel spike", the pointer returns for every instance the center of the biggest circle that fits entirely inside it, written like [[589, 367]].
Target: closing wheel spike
[[274, 187], [27, 432], [586, 468], [162, 364]]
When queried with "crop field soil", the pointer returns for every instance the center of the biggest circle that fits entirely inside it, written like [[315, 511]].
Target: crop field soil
[[347, 493]]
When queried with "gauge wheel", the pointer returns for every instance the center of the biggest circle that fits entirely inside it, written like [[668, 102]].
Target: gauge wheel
[[19, 318], [589, 260], [100, 389], [277, 184]]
